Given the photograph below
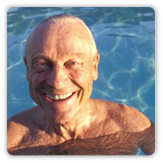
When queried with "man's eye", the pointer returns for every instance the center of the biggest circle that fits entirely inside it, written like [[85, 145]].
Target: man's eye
[[73, 64], [41, 66]]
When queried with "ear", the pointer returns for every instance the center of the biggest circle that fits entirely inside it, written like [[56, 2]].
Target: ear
[[96, 59], [25, 62], [26, 65]]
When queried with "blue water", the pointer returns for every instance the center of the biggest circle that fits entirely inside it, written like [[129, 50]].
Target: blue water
[[125, 38]]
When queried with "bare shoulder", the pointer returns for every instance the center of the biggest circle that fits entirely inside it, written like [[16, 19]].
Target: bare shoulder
[[124, 117], [19, 125], [131, 119], [15, 133], [28, 116]]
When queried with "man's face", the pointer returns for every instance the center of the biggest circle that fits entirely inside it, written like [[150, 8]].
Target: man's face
[[60, 69]]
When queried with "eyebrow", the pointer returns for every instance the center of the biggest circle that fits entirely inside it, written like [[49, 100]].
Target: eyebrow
[[38, 56]]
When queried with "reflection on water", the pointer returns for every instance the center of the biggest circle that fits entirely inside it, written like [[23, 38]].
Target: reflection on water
[[125, 39]]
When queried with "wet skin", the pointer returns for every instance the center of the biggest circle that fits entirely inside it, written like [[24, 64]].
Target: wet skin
[[61, 68], [119, 143]]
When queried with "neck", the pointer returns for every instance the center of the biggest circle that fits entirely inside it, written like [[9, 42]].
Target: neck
[[72, 128]]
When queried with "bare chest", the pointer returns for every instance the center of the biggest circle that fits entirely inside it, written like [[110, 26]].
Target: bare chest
[[115, 144], [40, 138], [35, 139], [102, 128]]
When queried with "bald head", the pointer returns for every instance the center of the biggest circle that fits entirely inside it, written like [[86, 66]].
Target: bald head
[[59, 28]]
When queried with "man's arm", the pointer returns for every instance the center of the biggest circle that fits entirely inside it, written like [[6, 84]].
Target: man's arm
[[148, 144]]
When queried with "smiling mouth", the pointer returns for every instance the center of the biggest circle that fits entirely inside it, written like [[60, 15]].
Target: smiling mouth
[[58, 97]]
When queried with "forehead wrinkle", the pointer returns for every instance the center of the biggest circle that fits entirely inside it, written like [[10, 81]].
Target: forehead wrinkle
[[78, 55]]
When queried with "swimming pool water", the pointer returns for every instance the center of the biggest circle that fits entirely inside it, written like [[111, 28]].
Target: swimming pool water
[[125, 38]]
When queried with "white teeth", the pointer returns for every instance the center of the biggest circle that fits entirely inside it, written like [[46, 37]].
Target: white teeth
[[59, 97]]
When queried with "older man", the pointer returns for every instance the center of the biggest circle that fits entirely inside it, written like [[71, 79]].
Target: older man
[[62, 61]]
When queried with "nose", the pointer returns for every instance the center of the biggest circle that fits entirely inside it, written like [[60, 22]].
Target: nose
[[58, 78]]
